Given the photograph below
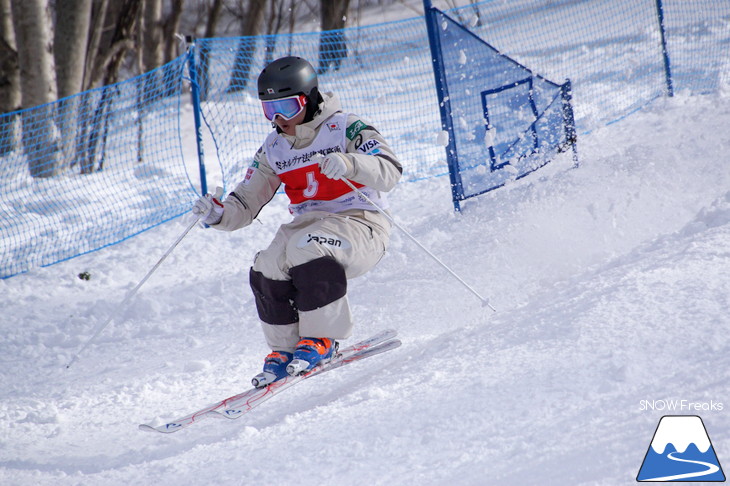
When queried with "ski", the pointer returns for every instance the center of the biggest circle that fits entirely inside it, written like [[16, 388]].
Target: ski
[[236, 405], [243, 405]]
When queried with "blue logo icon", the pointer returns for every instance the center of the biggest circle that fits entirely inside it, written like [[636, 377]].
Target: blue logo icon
[[680, 451]]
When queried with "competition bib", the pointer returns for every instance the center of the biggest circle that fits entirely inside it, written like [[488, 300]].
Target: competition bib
[[304, 184]]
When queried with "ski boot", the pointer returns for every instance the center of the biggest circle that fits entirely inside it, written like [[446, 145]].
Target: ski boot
[[309, 353], [275, 368]]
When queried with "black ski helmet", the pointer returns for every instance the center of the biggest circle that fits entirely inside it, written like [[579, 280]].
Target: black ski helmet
[[288, 76]]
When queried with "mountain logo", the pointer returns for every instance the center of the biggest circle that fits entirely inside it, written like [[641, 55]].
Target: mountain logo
[[680, 451]]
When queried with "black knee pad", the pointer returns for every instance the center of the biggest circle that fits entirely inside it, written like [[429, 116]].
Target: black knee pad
[[274, 299], [318, 282]]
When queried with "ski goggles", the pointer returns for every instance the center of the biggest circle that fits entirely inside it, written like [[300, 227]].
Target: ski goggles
[[287, 108]]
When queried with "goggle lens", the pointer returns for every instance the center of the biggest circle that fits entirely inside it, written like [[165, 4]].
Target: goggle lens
[[287, 108]]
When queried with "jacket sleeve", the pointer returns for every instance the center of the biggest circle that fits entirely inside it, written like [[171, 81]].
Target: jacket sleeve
[[250, 195], [370, 159]]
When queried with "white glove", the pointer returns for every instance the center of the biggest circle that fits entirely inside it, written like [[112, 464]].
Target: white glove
[[209, 209], [333, 166]]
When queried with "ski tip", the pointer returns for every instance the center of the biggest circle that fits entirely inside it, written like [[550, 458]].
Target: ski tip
[[232, 413], [165, 428]]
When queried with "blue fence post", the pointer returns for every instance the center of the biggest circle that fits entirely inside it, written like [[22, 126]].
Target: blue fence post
[[447, 124], [195, 93], [665, 52]]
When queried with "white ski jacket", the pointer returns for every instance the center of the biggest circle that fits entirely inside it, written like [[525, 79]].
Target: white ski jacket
[[372, 165]]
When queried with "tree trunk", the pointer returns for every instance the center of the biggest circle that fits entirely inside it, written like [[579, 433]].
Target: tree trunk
[[170, 26], [150, 43], [152, 53], [203, 67], [274, 23], [113, 36], [93, 51], [332, 43], [32, 33], [293, 4], [250, 26], [73, 18], [31, 21], [112, 50], [9, 80]]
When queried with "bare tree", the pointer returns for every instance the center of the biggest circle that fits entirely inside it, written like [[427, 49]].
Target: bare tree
[[31, 21], [151, 28], [214, 14], [73, 18], [9, 79], [170, 27], [210, 26], [274, 24], [113, 37], [70, 41], [112, 51], [150, 52], [332, 43], [250, 17], [333, 13], [98, 26], [293, 4]]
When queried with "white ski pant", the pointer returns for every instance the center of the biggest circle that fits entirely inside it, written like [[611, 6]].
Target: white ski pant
[[300, 281]]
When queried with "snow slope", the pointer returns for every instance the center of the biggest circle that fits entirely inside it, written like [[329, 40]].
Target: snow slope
[[611, 284]]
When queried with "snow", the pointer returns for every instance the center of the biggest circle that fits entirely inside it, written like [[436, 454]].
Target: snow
[[610, 282]]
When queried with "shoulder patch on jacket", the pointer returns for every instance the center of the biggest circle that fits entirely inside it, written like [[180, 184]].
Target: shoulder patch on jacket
[[355, 128], [370, 147]]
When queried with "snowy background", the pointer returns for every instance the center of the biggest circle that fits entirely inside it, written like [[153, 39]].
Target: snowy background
[[611, 285]]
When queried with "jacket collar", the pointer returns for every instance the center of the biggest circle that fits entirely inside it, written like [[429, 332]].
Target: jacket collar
[[307, 131]]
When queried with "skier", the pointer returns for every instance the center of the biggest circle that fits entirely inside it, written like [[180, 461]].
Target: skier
[[299, 282]]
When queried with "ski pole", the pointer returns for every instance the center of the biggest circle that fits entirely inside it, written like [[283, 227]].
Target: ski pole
[[132, 292], [485, 302]]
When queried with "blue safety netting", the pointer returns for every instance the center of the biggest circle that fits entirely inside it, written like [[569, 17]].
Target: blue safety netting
[[92, 169], [96, 168], [502, 120]]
